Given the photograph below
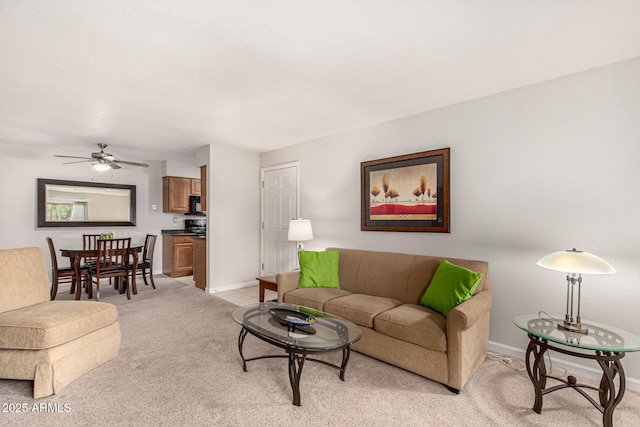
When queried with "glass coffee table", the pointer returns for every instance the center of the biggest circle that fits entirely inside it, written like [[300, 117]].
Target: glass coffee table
[[299, 331], [603, 343]]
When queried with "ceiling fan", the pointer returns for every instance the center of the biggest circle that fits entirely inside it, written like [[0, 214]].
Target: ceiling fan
[[102, 161]]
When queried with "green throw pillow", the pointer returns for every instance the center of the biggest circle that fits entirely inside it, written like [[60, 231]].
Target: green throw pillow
[[319, 269], [450, 286]]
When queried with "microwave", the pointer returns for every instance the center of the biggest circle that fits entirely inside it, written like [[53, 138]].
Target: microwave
[[195, 208]]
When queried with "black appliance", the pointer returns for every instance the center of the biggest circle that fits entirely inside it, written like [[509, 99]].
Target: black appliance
[[195, 208], [197, 226]]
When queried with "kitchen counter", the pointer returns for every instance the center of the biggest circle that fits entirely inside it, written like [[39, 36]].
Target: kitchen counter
[[176, 233]]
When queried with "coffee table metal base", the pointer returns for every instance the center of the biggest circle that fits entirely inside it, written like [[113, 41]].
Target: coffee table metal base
[[296, 357]]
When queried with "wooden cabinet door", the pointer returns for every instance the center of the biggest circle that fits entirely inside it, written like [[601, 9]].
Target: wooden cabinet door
[[175, 192], [203, 188], [182, 259], [195, 187], [200, 263]]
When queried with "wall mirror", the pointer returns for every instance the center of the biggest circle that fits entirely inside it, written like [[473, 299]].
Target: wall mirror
[[85, 204]]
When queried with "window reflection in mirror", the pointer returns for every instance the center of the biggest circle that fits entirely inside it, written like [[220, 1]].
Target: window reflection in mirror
[[84, 204]]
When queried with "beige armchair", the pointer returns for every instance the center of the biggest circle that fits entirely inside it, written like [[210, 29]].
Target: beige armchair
[[49, 342]]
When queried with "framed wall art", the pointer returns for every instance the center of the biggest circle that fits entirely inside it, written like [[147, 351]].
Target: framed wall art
[[406, 193]]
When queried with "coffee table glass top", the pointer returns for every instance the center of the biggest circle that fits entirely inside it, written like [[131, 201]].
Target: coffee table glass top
[[601, 337], [327, 333]]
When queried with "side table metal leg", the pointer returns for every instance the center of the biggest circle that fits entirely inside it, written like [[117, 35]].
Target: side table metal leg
[[608, 397], [243, 334], [296, 362], [537, 371]]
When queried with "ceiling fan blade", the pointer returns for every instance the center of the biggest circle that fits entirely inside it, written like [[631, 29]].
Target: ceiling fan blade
[[72, 157], [103, 158], [112, 164], [77, 161], [125, 162]]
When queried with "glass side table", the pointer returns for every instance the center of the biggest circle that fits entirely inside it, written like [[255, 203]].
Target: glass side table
[[603, 343]]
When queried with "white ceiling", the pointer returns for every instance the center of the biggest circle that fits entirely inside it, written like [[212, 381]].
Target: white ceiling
[[173, 75]]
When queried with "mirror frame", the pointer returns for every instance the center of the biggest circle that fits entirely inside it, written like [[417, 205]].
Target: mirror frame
[[42, 204]]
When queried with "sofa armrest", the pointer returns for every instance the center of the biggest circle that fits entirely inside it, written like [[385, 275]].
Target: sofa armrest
[[468, 337], [469, 312], [287, 282]]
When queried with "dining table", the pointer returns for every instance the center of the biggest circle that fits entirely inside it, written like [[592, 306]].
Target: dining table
[[75, 255]]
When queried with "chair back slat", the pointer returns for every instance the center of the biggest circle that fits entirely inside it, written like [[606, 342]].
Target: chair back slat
[[149, 247], [89, 241], [113, 254]]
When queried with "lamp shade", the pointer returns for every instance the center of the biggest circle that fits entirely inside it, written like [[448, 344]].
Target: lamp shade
[[300, 230], [574, 261]]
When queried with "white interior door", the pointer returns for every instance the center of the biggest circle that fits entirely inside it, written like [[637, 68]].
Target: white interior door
[[279, 205]]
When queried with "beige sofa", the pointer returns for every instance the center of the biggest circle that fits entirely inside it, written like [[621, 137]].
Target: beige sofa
[[381, 292], [49, 342]]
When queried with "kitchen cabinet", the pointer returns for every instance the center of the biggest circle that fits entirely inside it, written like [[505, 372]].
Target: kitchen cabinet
[[176, 191], [195, 187], [177, 255], [203, 188], [200, 262]]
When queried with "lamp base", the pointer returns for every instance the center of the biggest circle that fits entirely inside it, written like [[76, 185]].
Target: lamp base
[[573, 327]]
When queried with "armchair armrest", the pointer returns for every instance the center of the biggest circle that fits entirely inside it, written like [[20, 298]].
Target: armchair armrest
[[287, 282]]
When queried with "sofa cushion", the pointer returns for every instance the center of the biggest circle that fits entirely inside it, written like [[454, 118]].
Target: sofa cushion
[[359, 308], [450, 286], [415, 324], [52, 323], [313, 297], [319, 269]]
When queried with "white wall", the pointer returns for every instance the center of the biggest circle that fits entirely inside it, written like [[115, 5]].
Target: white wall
[[21, 165], [533, 171], [233, 213], [184, 169]]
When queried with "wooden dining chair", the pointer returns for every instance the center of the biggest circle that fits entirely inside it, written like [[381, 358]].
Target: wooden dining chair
[[62, 275], [89, 241], [112, 262], [146, 263]]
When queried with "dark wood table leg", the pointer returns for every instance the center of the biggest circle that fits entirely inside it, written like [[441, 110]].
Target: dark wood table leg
[[134, 270], [261, 291], [76, 269], [267, 282]]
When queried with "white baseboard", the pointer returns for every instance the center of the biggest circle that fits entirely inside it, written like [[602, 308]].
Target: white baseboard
[[231, 287], [575, 368]]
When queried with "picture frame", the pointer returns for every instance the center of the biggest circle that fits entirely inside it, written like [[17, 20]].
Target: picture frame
[[406, 193]]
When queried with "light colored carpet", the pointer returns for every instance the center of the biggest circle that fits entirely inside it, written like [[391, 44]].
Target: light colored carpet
[[179, 365]]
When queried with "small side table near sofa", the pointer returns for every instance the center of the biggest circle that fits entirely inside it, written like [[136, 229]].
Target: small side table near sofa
[[603, 343], [267, 282]]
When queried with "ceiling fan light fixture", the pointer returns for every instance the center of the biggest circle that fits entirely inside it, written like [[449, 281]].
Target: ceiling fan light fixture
[[101, 167], [102, 161]]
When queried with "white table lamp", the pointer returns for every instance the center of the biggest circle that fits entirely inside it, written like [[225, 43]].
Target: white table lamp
[[575, 263], [300, 231]]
